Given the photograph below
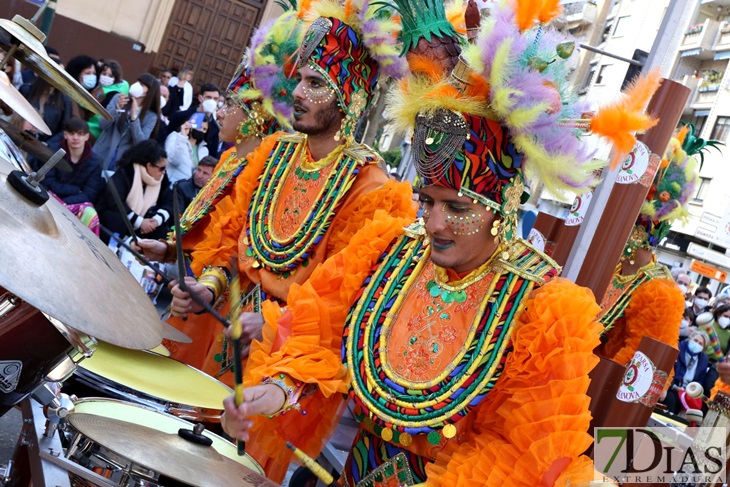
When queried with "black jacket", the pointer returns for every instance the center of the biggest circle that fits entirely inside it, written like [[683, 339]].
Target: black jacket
[[186, 192], [83, 184], [178, 118]]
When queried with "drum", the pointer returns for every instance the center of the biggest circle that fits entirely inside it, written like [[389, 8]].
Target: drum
[[115, 465], [152, 380], [34, 347]]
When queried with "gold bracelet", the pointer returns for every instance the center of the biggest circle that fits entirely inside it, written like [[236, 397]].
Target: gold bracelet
[[293, 392], [170, 251], [215, 279]]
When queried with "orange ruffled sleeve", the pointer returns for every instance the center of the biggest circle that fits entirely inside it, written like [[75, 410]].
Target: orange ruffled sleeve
[[304, 342], [227, 220], [533, 426], [655, 311]]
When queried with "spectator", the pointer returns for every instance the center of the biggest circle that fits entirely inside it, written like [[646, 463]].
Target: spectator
[[717, 325], [82, 68], [165, 76], [181, 90], [683, 281], [135, 118], [145, 191], [29, 75], [55, 107], [164, 98], [188, 189], [184, 150], [110, 83], [206, 103], [13, 70], [700, 303], [84, 183], [691, 366]]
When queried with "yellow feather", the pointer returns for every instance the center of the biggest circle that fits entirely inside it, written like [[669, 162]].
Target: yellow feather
[[522, 117]]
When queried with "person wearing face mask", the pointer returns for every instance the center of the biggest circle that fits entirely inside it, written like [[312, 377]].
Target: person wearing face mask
[[207, 104], [145, 190], [82, 68], [700, 303], [110, 83], [185, 149], [716, 324], [135, 119], [691, 366]]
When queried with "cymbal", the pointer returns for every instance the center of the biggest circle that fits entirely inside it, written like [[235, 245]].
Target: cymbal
[[31, 52], [53, 262], [25, 141], [171, 333], [20, 105], [166, 454]]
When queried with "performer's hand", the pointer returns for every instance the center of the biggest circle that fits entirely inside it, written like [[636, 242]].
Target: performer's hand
[[251, 326], [723, 368], [182, 303], [154, 250], [264, 399]]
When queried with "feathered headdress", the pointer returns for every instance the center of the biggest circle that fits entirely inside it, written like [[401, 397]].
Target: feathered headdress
[[503, 108]]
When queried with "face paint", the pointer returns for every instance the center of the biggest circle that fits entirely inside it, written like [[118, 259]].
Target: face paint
[[318, 96], [463, 223]]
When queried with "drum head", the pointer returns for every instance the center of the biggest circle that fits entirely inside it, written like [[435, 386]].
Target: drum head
[[166, 423], [157, 376]]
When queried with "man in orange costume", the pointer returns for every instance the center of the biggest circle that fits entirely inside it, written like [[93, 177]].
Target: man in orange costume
[[304, 196]]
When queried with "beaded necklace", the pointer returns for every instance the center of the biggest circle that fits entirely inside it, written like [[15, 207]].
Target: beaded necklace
[[400, 408], [208, 195], [282, 254]]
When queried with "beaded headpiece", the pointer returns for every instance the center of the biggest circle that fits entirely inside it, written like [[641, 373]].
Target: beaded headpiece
[[668, 198], [263, 83], [350, 44], [486, 115]]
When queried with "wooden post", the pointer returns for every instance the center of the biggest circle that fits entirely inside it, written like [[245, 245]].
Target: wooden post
[[625, 200]]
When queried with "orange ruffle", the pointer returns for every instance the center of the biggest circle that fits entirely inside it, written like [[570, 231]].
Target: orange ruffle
[[304, 343], [227, 220], [533, 427], [719, 386], [655, 311]]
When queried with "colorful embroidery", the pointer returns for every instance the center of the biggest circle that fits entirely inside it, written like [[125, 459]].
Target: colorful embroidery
[[374, 462], [209, 194], [281, 247]]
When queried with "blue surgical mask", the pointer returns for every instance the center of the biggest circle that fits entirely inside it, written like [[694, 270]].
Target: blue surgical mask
[[89, 81], [694, 348]]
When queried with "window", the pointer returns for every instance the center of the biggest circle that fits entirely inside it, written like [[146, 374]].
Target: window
[[702, 190], [601, 74], [589, 78], [699, 123], [621, 24], [721, 129]]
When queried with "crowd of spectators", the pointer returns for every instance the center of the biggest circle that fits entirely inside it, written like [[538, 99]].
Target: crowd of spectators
[[161, 134]]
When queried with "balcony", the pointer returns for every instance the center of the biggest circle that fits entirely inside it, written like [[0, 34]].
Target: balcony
[[699, 40], [579, 14], [722, 44], [716, 3]]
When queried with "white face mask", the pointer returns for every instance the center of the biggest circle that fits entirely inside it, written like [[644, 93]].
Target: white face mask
[[163, 102], [723, 321], [700, 303], [210, 106], [685, 323], [105, 80], [89, 81], [220, 105], [136, 90], [683, 288]]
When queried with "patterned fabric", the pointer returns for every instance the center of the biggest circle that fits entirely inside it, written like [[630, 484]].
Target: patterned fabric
[[401, 407], [343, 56], [370, 452], [486, 165], [242, 89]]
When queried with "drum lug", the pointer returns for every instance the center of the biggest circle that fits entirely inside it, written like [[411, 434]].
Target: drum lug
[[8, 302], [6, 473]]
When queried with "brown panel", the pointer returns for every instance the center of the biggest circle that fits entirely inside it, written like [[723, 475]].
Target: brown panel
[[209, 36], [71, 38]]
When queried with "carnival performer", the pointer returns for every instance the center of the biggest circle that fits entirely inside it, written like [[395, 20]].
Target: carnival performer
[[316, 188], [642, 298], [466, 358], [258, 104]]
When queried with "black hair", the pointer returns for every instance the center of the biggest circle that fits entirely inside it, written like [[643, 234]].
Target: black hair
[[116, 70], [151, 102], [703, 290], [146, 152], [208, 161], [78, 64], [720, 310], [76, 125], [209, 87]]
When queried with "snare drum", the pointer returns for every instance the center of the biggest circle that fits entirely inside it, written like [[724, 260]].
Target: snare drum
[[34, 347], [152, 380], [114, 465]]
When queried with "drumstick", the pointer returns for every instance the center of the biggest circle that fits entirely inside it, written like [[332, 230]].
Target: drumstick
[[235, 317], [198, 300], [120, 207], [312, 465]]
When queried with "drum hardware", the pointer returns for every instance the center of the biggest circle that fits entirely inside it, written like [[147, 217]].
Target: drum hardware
[[8, 302], [28, 184], [6, 473], [12, 97], [27, 142]]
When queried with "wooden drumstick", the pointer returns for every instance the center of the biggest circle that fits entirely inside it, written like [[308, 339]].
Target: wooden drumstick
[[312, 465], [235, 319]]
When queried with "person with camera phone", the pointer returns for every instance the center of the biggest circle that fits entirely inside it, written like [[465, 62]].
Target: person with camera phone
[[135, 119]]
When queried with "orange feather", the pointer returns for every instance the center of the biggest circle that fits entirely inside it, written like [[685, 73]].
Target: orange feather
[[422, 64], [304, 7], [446, 91], [527, 12], [478, 86], [682, 134], [456, 18], [550, 10]]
